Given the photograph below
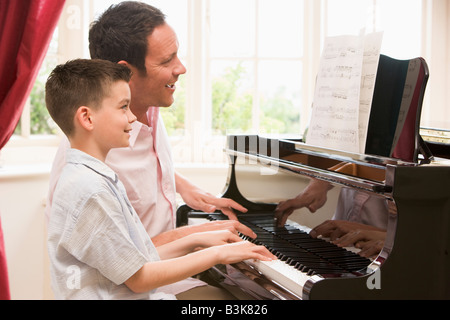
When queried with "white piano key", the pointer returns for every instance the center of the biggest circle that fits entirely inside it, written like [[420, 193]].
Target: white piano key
[[283, 274]]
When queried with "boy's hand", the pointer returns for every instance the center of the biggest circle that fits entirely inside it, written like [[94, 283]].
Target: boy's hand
[[214, 238], [243, 250]]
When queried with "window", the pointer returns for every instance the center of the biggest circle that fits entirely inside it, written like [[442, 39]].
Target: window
[[35, 119], [251, 64], [255, 65]]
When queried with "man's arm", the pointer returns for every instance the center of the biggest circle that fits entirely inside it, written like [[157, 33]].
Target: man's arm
[[200, 200]]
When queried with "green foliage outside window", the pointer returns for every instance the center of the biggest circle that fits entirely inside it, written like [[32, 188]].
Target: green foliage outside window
[[231, 108], [40, 120]]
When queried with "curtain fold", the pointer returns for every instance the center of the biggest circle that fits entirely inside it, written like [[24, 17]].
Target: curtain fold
[[26, 28]]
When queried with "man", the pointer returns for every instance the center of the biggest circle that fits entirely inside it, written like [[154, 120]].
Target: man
[[136, 35]]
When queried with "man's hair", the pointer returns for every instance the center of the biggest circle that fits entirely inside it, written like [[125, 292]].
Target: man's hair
[[121, 33], [81, 82]]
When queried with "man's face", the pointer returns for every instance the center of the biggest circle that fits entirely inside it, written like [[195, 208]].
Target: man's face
[[157, 86]]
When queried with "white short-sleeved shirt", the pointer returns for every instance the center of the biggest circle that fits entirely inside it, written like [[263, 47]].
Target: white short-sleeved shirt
[[146, 170], [96, 241]]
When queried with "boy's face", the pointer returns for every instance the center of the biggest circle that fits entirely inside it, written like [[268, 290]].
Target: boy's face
[[157, 86], [113, 119]]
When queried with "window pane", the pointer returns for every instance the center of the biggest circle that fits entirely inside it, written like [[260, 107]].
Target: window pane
[[348, 16], [176, 12], [232, 96], [232, 28], [40, 120], [174, 116], [401, 21], [280, 28], [280, 96]]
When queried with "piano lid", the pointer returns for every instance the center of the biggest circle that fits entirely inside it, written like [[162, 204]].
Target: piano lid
[[362, 171]]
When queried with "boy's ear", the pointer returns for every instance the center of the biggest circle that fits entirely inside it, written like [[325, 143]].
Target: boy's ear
[[84, 117]]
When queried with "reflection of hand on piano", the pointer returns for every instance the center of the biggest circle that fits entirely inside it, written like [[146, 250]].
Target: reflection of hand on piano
[[348, 233], [314, 196], [369, 241]]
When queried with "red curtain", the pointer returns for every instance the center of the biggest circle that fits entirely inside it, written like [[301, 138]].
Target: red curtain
[[26, 27]]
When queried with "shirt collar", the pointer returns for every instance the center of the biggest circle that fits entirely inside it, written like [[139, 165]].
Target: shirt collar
[[137, 126], [79, 157]]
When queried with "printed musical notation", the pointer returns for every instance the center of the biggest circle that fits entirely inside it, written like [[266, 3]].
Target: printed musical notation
[[344, 90]]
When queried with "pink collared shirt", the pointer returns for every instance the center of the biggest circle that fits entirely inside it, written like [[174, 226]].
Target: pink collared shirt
[[148, 159]]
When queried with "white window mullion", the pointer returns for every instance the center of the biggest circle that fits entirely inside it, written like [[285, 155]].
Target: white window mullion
[[196, 117], [311, 56], [256, 96]]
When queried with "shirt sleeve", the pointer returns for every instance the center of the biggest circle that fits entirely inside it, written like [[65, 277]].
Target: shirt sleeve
[[99, 237]]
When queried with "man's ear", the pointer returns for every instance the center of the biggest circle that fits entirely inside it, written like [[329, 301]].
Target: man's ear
[[128, 65], [84, 117]]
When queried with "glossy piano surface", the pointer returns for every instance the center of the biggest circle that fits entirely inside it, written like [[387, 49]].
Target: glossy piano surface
[[264, 171]]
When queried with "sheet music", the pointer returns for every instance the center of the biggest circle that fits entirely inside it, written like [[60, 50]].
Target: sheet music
[[344, 90]]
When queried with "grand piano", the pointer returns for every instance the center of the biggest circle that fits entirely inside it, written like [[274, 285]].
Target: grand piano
[[415, 260]]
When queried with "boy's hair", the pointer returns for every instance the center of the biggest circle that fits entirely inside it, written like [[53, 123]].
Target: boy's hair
[[81, 82], [121, 33]]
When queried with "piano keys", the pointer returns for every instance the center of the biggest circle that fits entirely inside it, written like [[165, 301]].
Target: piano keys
[[418, 232], [298, 249], [299, 255]]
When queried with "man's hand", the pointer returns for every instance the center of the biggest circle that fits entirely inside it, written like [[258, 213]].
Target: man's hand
[[206, 202], [200, 200]]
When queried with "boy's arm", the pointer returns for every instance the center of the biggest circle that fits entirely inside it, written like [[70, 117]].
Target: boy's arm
[[195, 241], [231, 225], [156, 274]]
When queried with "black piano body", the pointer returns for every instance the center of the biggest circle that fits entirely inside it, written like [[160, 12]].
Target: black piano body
[[415, 260]]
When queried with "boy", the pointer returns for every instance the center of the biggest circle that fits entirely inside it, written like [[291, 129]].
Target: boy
[[97, 245]]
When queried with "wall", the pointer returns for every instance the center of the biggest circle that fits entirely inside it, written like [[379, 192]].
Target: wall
[[22, 195]]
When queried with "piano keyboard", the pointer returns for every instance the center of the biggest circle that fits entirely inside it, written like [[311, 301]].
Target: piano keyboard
[[300, 257]]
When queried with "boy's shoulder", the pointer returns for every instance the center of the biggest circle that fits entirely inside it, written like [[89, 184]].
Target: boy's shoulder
[[85, 174]]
